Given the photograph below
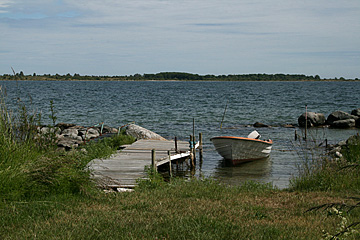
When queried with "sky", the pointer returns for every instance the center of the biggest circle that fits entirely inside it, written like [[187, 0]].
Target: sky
[[118, 37]]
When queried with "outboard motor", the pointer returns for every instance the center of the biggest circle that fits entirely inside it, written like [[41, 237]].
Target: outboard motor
[[254, 135]]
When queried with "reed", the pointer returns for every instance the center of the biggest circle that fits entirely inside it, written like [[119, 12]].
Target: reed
[[320, 172], [30, 165]]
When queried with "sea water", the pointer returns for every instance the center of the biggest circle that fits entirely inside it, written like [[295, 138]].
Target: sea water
[[170, 107]]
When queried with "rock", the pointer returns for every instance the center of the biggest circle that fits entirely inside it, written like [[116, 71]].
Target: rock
[[357, 123], [339, 115], [48, 130], [89, 133], [70, 133], [356, 112], [346, 123], [353, 140], [107, 129], [313, 119], [68, 143], [63, 126], [142, 133], [260, 125]]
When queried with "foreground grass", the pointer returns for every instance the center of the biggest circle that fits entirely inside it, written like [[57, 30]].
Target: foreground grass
[[47, 194], [180, 210]]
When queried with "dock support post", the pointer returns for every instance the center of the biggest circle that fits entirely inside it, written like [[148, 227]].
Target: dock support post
[[194, 140], [153, 160], [200, 148], [176, 145], [192, 151], [306, 123], [170, 167]]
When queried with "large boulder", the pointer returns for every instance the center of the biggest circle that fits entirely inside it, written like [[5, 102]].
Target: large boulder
[[68, 143], [70, 133], [313, 119], [346, 123], [64, 126], [357, 123], [142, 133], [356, 112], [340, 115], [260, 125], [88, 134]]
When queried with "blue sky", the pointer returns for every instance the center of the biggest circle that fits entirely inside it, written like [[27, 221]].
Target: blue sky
[[116, 37]]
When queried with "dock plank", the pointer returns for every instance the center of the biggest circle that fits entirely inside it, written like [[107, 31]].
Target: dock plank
[[126, 166]]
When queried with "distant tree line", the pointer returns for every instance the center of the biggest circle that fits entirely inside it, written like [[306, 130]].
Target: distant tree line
[[180, 76]]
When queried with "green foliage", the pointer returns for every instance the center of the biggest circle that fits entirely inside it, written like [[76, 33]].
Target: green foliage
[[327, 174], [107, 146], [30, 165], [181, 76], [152, 180]]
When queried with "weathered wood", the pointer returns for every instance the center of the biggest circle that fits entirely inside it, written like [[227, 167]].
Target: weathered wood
[[153, 160], [200, 148], [170, 170], [126, 166]]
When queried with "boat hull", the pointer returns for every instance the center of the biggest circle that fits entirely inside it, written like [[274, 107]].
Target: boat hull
[[239, 149]]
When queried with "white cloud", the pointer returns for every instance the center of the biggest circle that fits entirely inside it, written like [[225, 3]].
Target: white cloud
[[204, 36]]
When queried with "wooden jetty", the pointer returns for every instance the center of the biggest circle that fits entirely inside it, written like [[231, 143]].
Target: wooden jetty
[[122, 169]]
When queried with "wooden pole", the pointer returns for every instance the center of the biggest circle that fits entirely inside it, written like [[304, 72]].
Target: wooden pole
[[200, 148], [222, 120], [194, 140], [153, 160], [305, 122], [192, 151], [295, 135], [176, 145], [170, 169]]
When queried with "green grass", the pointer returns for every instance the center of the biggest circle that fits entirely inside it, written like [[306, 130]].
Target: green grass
[[327, 174], [180, 210], [48, 194]]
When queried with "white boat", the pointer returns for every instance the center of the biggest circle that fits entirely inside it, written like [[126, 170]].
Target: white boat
[[241, 149]]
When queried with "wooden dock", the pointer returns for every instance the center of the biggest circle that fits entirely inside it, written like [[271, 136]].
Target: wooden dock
[[122, 169]]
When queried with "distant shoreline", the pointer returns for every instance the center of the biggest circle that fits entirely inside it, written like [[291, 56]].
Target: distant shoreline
[[172, 80], [175, 76]]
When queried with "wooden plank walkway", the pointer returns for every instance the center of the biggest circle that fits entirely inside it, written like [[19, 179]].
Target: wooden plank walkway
[[126, 166]]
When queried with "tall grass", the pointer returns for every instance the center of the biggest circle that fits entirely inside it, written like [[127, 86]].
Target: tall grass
[[324, 173], [30, 165]]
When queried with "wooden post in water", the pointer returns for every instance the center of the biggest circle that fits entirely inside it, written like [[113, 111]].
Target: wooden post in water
[[176, 145], [194, 139], [192, 163], [200, 148], [170, 167], [153, 160], [295, 135], [305, 122], [222, 120]]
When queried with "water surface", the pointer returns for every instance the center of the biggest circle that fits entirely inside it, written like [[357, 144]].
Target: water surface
[[169, 108]]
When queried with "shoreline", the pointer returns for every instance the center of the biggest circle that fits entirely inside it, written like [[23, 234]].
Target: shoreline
[[173, 80]]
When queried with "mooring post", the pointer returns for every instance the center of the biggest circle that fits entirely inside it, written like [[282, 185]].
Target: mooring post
[[153, 160], [194, 140], [176, 145], [295, 135], [170, 168], [192, 151], [200, 148], [306, 122]]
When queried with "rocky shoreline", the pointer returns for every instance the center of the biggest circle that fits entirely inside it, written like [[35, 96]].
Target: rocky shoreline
[[337, 119], [70, 136]]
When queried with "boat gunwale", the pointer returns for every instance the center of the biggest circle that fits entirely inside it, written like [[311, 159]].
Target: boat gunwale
[[270, 142]]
